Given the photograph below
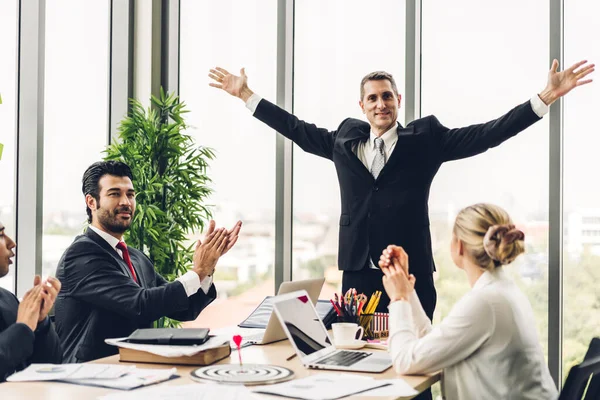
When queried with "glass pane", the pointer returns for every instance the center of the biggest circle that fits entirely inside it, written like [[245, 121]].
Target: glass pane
[[581, 257], [331, 57], [8, 92], [243, 172], [75, 115], [476, 68]]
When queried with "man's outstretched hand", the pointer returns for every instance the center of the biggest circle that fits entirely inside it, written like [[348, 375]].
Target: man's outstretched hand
[[561, 83], [234, 85]]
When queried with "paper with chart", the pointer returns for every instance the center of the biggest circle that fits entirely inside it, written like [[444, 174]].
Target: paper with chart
[[170, 351]]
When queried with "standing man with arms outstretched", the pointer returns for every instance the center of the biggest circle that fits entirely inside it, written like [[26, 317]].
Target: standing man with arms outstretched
[[385, 170]]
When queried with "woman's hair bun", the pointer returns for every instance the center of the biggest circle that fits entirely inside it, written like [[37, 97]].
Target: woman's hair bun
[[499, 243]]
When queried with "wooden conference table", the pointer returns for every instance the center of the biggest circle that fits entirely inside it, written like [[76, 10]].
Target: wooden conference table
[[275, 353]]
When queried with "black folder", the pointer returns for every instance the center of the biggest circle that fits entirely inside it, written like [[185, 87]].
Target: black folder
[[170, 336]]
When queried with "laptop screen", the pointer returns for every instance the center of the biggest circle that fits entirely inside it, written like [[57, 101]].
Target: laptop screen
[[302, 323], [260, 316]]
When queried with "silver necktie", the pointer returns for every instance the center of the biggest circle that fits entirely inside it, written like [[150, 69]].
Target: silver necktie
[[379, 160]]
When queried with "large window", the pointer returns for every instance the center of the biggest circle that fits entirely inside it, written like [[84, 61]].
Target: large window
[[234, 34], [75, 115], [581, 258], [475, 68], [336, 44], [8, 81]]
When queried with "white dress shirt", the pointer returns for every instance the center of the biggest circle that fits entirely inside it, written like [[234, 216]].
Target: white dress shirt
[[487, 346], [190, 280]]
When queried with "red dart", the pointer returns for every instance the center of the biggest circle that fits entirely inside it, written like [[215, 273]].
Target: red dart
[[237, 339]]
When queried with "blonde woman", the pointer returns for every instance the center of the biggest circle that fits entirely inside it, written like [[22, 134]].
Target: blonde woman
[[487, 346]]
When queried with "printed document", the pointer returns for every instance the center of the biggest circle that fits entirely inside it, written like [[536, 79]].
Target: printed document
[[195, 391], [105, 375], [321, 387]]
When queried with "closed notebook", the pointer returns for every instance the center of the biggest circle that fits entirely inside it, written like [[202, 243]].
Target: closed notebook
[[170, 336]]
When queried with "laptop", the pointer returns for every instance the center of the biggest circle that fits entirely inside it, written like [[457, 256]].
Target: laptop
[[312, 344], [273, 332]]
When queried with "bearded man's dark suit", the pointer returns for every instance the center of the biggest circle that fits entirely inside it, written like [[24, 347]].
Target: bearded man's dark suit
[[19, 345], [391, 209], [100, 300]]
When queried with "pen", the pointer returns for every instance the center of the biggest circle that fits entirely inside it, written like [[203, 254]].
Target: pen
[[335, 307], [290, 357]]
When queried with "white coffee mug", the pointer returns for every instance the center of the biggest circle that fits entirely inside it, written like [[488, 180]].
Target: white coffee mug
[[345, 332]]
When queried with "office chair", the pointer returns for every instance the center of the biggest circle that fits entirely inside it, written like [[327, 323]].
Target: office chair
[[579, 376]]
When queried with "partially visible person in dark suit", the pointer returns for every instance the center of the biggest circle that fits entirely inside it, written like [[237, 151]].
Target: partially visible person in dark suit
[[26, 333], [109, 289]]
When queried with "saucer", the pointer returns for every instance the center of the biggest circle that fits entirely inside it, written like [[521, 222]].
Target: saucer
[[353, 345]]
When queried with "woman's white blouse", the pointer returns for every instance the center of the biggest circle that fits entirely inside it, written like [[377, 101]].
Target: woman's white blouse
[[487, 346]]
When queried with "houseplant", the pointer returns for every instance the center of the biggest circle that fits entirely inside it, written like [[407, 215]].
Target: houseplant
[[170, 180]]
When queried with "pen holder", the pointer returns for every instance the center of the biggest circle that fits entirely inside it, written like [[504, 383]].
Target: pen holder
[[348, 318], [375, 325], [365, 322]]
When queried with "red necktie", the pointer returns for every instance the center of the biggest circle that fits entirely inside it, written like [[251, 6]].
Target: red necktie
[[123, 247]]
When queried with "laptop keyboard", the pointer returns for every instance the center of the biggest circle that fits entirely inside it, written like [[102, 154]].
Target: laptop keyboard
[[344, 358]]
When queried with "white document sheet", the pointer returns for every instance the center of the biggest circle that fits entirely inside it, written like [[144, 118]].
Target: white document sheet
[[53, 372], [106, 375], [321, 387], [134, 379], [170, 351], [397, 387], [194, 391]]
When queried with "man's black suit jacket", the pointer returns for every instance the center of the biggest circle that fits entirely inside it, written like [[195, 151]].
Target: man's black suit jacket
[[392, 209], [19, 346], [100, 300]]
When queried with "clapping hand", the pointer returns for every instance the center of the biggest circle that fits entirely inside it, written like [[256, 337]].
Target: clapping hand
[[29, 308], [216, 243], [232, 236], [397, 281], [50, 289], [207, 253]]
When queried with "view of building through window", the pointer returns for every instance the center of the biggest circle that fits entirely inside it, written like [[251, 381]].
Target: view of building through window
[[8, 92], [75, 116], [466, 78], [472, 78], [581, 229], [233, 34]]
